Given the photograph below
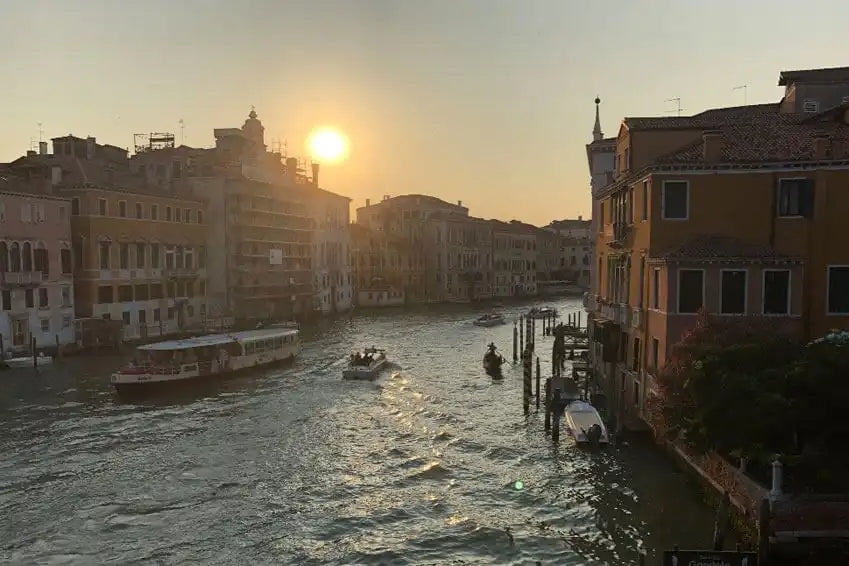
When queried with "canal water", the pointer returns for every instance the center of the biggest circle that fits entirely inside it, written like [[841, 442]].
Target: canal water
[[435, 464]]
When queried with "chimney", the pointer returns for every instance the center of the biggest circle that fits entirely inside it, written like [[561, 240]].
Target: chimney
[[55, 175], [459, 203], [580, 218], [315, 174], [368, 202], [89, 147], [712, 146], [822, 146], [31, 153], [42, 148]]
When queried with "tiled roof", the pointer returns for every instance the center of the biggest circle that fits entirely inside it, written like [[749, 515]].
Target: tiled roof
[[770, 137], [713, 118], [832, 74], [718, 247]]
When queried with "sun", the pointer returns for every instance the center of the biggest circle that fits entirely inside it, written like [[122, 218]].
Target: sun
[[328, 145]]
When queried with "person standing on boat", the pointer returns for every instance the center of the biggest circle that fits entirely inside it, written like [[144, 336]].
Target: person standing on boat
[[223, 358]]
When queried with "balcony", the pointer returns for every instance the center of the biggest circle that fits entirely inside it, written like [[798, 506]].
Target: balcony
[[181, 272], [615, 233], [21, 278]]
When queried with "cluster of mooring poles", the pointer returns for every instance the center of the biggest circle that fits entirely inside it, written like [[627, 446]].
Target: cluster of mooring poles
[[559, 389]]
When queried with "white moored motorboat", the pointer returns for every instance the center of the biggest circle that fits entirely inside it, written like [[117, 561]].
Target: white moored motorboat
[[366, 365], [584, 423], [206, 357], [26, 361], [493, 319]]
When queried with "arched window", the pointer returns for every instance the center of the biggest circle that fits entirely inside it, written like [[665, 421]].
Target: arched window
[[40, 259], [26, 257], [4, 257], [14, 257]]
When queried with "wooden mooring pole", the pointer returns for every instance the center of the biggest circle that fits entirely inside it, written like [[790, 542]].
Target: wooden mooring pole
[[34, 352], [537, 389], [547, 404], [527, 373], [555, 429], [521, 335], [515, 340]]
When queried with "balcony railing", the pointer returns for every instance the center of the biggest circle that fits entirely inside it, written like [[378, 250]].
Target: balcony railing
[[615, 233], [181, 271], [21, 278]]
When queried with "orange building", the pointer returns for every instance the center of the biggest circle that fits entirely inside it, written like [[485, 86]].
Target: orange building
[[738, 211]]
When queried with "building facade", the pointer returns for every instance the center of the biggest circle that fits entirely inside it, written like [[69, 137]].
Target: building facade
[[735, 212], [514, 251], [333, 289], [459, 260], [36, 268], [601, 158]]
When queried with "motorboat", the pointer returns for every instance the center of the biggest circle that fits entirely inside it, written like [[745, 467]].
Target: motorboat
[[26, 361], [492, 361], [542, 312], [203, 358], [584, 423], [366, 365], [492, 319]]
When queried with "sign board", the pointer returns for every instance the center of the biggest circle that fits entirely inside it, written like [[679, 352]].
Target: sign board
[[275, 257], [709, 558]]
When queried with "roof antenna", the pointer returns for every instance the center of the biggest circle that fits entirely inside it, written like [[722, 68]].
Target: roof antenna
[[182, 131], [745, 89], [678, 101]]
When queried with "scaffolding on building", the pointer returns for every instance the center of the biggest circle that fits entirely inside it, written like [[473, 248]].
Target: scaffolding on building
[[153, 141]]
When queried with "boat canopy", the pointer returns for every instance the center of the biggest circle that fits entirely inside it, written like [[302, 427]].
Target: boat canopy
[[218, 339]]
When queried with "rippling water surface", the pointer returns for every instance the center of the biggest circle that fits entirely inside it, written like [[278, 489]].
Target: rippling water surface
[[295, 466]]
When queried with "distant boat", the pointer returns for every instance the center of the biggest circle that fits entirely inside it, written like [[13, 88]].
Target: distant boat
[[585, 424], [493, 319], [542, 312], [367, 366]]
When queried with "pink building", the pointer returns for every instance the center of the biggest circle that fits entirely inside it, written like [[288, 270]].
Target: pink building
[[36, 281]]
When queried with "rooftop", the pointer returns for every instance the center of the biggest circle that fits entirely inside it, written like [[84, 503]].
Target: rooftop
[[826, 75], [715, 117]]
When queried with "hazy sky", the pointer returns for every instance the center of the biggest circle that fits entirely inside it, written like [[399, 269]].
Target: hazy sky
[[488, 101]]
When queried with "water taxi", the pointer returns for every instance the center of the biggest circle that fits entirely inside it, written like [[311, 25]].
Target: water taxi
[[206, 357], [584, 423], [493, 319], [366, 365], [542, 312]]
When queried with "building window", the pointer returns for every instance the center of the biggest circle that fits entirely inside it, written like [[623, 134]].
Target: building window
[[838, 289], [66, 296], [142, 318], [122, 208], [125, 316], [125, 293], [104, 254], [75, 206], [796, 197], [655, 353], [139, 211], [645, 199], [45, 325], [29, 300], [732, 291], [655, 289], [140, 255], [177, 214], [43, 301], [642, 281], [65, 260], [7, 300], [676, 200], [154, 256], [168, 214], [142, 292], [101, 207], [200, 216], [124, 254], [154, 212], [691, 290], [811, 105], [202, 257], [104, 294], [66, 321], [187, 216], [635, 360], [776, 291]]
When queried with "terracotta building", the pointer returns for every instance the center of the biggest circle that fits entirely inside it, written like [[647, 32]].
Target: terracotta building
[[737, 211], [514, 251], [36, 269]]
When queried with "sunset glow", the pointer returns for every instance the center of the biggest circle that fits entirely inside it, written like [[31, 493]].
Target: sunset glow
[[328, 145]]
